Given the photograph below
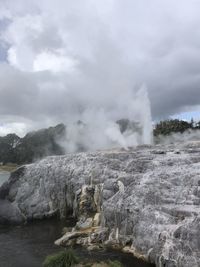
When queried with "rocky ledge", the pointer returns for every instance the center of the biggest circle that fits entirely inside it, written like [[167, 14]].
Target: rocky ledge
[[145, 201]]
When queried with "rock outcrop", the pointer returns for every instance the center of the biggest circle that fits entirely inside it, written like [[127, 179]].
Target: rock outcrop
[[145, 201]]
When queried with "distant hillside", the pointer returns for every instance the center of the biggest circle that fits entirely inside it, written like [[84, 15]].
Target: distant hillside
[[45, 142], [33, 146]]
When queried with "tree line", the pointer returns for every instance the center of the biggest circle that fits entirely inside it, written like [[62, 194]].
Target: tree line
[[167, 127]]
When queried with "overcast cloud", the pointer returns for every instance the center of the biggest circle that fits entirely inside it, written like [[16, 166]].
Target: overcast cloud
[[64, 60]]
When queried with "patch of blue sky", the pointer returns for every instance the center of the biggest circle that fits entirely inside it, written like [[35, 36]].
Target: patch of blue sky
[[187, 116], [3, 53], [3, 46]]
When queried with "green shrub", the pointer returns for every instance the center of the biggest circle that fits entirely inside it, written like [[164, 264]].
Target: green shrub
[[62, 259], [114, 264]]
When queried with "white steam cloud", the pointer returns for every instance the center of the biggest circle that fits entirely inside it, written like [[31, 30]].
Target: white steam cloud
[[190, 135], [98, 129]]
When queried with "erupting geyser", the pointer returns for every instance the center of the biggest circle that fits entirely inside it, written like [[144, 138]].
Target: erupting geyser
[[125, 123]]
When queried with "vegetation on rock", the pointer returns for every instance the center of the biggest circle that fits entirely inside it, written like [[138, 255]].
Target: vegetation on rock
[[115, 264], [103, 264], [174, 126], [65, 258], [68, 258]]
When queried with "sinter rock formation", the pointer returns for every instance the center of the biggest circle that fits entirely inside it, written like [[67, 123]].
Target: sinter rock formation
[[145, 201]]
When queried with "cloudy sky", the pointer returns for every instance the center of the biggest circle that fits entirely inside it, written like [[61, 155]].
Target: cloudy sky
[[64, 60]]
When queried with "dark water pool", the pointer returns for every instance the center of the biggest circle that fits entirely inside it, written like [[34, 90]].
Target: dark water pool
[[27, 246]]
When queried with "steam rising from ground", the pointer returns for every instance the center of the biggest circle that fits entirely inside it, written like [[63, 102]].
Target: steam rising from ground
[[98, 129], [187, 136]]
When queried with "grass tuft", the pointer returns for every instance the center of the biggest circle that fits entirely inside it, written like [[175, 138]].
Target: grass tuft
[[114, 264], [62, 259]]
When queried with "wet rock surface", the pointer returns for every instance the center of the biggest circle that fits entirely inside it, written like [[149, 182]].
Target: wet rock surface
[[145, 201]]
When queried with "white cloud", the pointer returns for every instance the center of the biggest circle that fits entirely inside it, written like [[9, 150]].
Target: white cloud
[[13, 127], [53, 62], [68, 57]]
